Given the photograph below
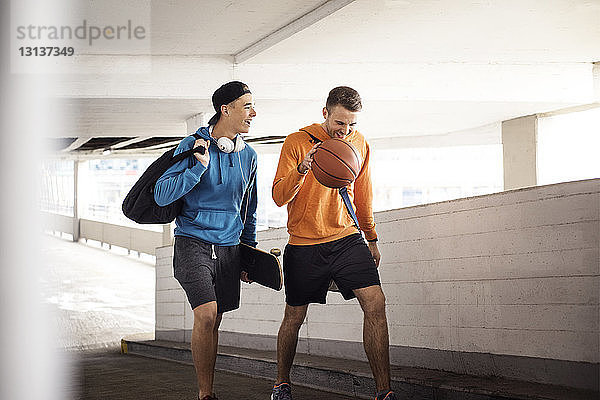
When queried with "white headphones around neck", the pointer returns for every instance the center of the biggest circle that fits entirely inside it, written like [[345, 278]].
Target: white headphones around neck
[[227, 145]]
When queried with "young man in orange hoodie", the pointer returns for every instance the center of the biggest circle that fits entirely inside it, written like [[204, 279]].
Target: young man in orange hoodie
[[325, 244]]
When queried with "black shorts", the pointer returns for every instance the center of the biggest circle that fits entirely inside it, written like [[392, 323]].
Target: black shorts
[[308, 270], [207, 276]]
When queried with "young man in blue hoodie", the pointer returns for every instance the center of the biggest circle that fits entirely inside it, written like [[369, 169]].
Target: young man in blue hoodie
[[219, 210]]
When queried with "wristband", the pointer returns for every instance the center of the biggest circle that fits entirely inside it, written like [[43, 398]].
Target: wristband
[[373, 240], [298, 169]]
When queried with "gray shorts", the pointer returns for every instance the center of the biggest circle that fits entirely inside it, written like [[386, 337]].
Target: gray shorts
[[208, 273]]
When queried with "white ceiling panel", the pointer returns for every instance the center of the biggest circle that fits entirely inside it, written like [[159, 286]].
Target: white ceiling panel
[[433, 31], [209, 27], [423, 67]]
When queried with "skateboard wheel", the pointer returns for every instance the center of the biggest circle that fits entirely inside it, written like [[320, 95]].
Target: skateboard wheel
[[275, 251]]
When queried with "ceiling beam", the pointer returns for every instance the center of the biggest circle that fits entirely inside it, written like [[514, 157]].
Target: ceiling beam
[[288, 30], [164, 145], [128, 142], [76, 144], [569, 110]]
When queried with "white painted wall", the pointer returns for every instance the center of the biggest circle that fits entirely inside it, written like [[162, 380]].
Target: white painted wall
[[171, 303], [513, 273]]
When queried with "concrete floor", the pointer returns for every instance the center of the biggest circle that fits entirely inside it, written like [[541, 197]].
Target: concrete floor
[[96, 296], [106, 374]]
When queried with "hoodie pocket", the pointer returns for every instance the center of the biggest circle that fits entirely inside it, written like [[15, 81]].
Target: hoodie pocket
[[218, 220]]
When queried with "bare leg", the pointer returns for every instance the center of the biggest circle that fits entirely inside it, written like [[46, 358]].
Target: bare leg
[[375, 334], [204, 345], [287, 339], [215, 347]]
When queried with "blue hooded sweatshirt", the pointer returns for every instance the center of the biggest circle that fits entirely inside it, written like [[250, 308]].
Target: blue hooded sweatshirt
[[219, 201]]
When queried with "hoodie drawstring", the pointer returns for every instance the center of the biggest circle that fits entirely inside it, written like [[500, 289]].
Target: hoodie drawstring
[[220, 168]]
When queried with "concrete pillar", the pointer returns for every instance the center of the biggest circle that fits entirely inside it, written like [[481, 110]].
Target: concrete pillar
[[596, 77], [75, 201], [167, 236], [519, 143], [196, 121]]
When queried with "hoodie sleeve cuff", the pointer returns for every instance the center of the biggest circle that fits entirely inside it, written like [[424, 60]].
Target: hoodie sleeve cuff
[[299, 175], [371, 236], [298, 169], [198, 169]]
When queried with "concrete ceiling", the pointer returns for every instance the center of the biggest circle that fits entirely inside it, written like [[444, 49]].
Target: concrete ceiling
[[448, 31], [192, 27], [423, 67]]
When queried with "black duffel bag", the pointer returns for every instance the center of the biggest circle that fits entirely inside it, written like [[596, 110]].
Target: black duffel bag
[[139, 204]]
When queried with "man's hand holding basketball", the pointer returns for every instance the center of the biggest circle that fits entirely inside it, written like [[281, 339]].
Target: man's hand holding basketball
[[203, 158], [306, 163]]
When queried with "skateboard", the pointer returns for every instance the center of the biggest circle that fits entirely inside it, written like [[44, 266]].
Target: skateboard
[[262, 267]]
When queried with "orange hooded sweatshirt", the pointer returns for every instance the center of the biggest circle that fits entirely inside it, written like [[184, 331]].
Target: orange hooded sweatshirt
[[316, 214]]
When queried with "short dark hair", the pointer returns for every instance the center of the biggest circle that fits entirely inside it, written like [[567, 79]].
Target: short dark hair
[[344, 96]]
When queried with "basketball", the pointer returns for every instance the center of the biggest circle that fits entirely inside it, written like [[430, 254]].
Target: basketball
[[336, 163]]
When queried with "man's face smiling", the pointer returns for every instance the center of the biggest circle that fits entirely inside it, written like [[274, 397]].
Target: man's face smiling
[[241, 111], [339, 121]]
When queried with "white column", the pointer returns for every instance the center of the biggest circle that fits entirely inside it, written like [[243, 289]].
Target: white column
[[75, 200], [167, 236], [596, 77], [196, 121], [519, 143]]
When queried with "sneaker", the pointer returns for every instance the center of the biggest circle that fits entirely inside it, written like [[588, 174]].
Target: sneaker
[[283, 391], [387, 396]]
